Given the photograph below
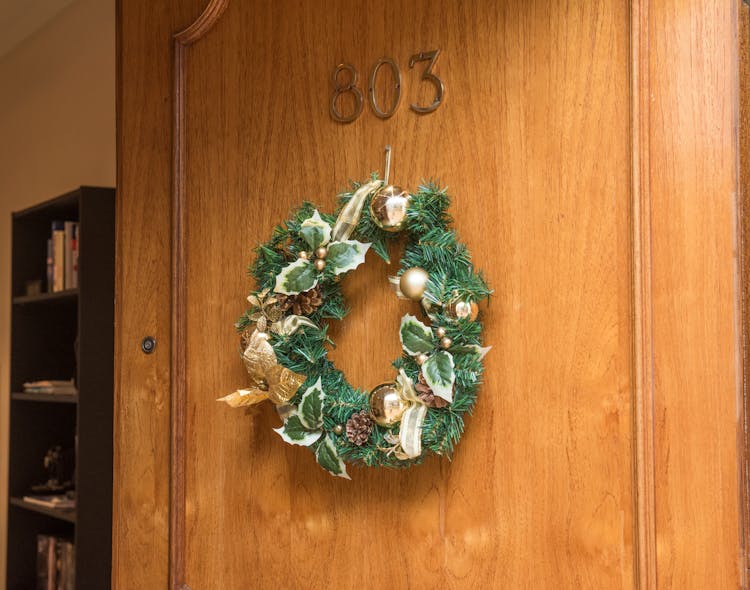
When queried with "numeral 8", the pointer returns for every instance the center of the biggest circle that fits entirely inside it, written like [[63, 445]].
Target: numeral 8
[[339, 89]]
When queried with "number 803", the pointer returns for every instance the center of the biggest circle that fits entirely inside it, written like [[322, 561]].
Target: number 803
[[349, 86]]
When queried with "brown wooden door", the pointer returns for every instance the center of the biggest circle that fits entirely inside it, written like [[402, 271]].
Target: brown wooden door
[[590, 148]]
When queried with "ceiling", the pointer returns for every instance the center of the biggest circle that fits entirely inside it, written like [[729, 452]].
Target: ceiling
[[20, 19]]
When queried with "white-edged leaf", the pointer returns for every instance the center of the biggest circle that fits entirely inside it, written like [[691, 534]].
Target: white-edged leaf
[[416, 338], [295, 433], [480, 351], [329, 459], [439, 375], [315, 231], [296, 277], [311, 407], [345, 256]]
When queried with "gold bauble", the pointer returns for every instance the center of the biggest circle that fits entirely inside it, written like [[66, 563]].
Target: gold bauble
[[413, 283], [464, 310], [338, 429], [446, 342], [321, 252], [440, 332], [421, 358], [388, 208], [320, 264], [386, 404], [303, 255]]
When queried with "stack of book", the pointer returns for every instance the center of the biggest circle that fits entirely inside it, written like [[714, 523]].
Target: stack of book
[[62, 256], [51, 387], [57, 501], [55, 563]]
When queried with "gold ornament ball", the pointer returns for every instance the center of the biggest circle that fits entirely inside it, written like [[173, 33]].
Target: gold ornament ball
[[303, 255], [464, 310], [421, 358], [321, 252], [320, 264], [440, 332], [388, 208], [413, 283], [338, 429], [386, 404], [446, 342]]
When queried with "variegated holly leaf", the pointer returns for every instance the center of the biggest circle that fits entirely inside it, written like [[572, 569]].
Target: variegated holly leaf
[[315, 231], [416, 338], [480, 351], [311, 407], [345, 256], [296, 277], [295, 433], [439, 375], [329, 459]]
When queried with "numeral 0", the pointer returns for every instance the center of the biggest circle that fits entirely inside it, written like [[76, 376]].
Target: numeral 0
[[373, 76], [351, 86]]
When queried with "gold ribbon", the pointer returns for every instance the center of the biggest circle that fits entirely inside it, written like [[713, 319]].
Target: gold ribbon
[[270, 380], [408, 445], [351, 212], [291, 323]]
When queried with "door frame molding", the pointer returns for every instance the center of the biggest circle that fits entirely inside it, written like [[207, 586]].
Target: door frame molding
[[182, 41], [644, 455]]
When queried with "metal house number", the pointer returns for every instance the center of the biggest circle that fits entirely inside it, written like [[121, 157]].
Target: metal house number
[[345, 78]]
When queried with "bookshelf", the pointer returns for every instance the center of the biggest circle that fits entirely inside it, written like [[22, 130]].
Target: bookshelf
[[63, 335]]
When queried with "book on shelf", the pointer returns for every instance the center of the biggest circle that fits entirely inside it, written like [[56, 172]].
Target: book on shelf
[[57, 501], [50, 266], [51, 387], [74, 248], [55, 563], [68, 263], [58, 256], [62, 261]]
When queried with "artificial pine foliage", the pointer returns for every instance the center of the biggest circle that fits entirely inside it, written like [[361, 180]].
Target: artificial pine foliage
[[348, 432]]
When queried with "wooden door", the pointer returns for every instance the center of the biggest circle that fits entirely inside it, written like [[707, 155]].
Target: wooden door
[[591, 151]]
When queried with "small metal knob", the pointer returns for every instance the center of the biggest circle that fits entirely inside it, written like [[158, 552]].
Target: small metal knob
[[148, 344]]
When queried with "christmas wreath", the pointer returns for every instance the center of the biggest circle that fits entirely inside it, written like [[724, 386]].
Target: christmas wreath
[[284, 330]]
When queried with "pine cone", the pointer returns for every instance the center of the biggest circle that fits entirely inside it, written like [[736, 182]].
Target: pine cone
[[427, 396], [304, 303], [358, 428]]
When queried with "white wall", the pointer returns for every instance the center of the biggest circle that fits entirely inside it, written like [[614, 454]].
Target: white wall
[[57, 131]]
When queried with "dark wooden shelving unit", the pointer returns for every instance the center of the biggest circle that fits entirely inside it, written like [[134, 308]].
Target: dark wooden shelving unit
[[68, 294], [55, 398], [63, 335]]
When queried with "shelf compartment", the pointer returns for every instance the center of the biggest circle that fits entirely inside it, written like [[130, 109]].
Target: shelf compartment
[[60, 514], [58, 398], [67, 296]]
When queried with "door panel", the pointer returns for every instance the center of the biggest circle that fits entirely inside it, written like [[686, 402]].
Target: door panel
[[556, 404], [544, 140]]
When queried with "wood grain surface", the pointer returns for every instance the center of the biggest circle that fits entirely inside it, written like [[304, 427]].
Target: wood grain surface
[[570, 148], [696, 302], [529, 88], [743, 33], [143, 292]]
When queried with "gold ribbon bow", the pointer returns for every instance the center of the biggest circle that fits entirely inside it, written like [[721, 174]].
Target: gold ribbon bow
[[408, 444], [351, 212], [270, 379]]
